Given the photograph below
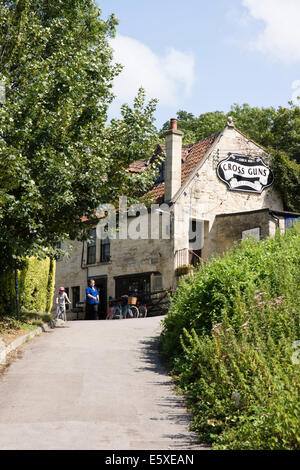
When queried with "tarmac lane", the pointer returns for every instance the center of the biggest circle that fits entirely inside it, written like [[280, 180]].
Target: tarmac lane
[[93, 385]]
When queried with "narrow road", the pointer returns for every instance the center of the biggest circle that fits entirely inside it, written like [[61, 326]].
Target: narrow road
[[93, 385]]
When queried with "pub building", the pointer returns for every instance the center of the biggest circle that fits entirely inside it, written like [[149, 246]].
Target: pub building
[[218, 191]]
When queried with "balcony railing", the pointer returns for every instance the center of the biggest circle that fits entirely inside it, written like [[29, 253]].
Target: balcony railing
[[181, 258], [185, 256]]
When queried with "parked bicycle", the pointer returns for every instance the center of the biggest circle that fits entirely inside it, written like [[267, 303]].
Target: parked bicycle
[[129, 307], [138, 309]]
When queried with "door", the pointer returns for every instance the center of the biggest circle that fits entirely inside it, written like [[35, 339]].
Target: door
[[138, 284]]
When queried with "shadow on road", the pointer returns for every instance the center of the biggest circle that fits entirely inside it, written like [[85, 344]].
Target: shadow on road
[[173, 404]]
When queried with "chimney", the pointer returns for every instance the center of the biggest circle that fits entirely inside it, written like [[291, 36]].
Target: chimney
[[173, 161]]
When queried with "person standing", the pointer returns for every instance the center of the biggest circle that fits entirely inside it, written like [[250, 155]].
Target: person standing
[[92, 301]]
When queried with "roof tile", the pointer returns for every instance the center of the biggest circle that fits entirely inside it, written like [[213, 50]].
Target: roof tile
[[192, 154]]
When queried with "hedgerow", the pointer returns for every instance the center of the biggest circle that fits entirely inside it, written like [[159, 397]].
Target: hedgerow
[[36, 287], [231, 336]]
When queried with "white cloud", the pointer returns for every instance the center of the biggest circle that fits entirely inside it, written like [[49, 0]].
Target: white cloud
[[280, 38], [168, 77]]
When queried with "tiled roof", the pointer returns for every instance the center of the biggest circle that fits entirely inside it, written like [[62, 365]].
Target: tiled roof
[[192, 154], [138, 166], [157, 193]]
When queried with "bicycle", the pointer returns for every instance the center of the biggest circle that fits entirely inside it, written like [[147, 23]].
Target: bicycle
[[139, 310], [61, 313], [142, 311], [131, 308]]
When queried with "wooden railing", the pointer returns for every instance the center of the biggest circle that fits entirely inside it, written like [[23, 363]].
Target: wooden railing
[[186, 256], [181, 257]]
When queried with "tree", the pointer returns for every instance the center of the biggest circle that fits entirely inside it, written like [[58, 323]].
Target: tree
[[58, 157], [270, 127], [278, 130], [287, 179]]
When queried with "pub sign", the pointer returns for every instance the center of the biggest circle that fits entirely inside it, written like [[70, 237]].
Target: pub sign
[[245, 173]]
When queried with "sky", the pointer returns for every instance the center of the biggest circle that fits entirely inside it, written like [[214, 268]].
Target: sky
[[202, 56]]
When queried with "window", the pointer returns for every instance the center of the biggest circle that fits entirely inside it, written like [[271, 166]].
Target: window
[[67, 292], [105, 250], [91, 248], [138, 284], [157, 282], [75, 296], [195, 241], [252, 233]]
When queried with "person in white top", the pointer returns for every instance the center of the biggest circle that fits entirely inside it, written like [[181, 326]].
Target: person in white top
[[61, 299]]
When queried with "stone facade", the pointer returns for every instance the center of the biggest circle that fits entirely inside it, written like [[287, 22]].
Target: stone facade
[[204, 197], [230, 227]]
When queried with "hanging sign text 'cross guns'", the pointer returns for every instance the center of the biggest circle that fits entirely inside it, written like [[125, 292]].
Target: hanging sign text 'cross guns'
[[245, 173]]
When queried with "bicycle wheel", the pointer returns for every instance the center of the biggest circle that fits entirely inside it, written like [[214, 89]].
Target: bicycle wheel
[[135, 311], [143, 311], [117, 313], [59, 313]]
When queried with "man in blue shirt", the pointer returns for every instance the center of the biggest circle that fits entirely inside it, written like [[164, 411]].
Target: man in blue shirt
[[91, 301]]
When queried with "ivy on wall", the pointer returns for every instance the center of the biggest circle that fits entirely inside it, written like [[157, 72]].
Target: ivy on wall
[[36, 287], [287, 180]]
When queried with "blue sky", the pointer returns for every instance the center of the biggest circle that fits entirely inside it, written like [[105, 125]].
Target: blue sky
[[204, 56]]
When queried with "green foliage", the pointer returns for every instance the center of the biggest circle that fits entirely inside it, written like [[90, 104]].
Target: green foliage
[[287, 180], [182, 270], [7, 293], [33, 285], [36, 287], [50, 286], [58, 158], [230, 336], [270, 127], [26, 321]]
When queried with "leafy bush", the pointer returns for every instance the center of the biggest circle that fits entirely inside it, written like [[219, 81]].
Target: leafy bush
[[230, 336], [287, 180], [36, 287]]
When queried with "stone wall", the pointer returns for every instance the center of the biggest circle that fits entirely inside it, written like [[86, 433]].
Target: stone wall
[[127, 257], [229, 227], [208, 196]]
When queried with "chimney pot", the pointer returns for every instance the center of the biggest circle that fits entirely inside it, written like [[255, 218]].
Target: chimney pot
[[174, 124]]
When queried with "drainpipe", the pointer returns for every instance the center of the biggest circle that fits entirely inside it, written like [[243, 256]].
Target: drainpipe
[[276, 220]]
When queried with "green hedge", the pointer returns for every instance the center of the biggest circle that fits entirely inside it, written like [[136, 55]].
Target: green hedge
[[36, 287], [230, 338]]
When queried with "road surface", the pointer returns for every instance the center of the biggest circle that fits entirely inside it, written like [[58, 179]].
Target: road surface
[[93, 385]]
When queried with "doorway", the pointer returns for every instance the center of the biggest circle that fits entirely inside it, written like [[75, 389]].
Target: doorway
[[196, 240], [138, 284]]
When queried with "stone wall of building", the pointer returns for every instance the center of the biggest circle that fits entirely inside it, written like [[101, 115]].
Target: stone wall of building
[[128, 257], [203, 197], [230, 227], [208, 196]]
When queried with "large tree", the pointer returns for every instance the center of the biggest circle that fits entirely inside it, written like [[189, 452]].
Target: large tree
[[58, 157]]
